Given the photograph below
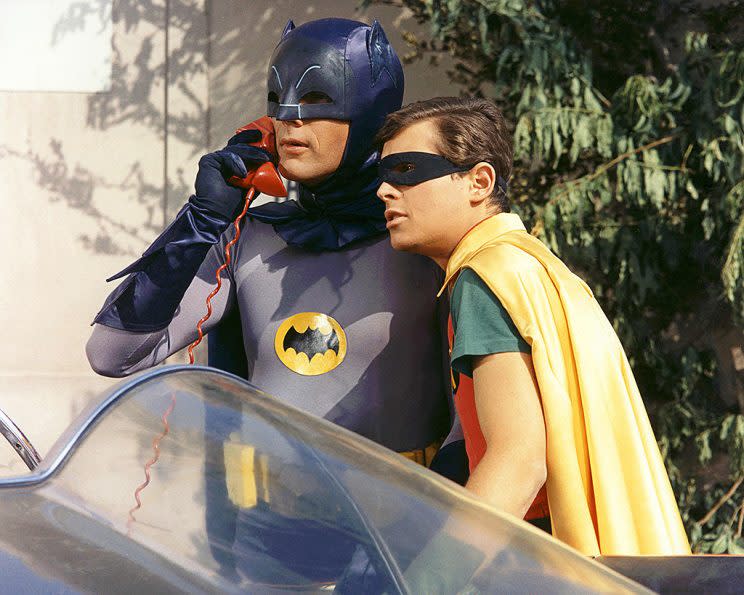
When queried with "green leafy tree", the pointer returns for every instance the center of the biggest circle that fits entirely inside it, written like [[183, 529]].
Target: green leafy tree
[[629, 163]]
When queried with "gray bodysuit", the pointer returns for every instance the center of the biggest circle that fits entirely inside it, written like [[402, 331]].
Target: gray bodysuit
[[392, 384]]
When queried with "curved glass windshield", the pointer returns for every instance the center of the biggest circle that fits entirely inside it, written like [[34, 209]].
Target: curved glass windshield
[[251, 495]]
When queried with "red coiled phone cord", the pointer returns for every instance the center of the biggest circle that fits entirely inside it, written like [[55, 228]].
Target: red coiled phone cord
[[166, 428]]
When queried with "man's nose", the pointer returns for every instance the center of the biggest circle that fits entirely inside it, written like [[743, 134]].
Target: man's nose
[[287, 123], [387, 192]]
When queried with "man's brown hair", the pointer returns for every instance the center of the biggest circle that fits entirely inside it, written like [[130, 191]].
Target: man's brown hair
[[470, 130]]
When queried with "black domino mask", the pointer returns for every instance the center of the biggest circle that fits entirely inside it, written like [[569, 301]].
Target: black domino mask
[[414, 167]]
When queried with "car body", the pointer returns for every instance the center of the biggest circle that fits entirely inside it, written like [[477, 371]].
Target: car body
[[189, 479]]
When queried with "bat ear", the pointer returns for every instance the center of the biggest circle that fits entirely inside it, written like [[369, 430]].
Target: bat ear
[[288, 28], [381, 53]]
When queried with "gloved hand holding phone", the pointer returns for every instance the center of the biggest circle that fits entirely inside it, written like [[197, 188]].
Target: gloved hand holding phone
[[215, 186]]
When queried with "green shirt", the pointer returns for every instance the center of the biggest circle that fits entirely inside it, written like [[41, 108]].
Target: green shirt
[[482, 325]]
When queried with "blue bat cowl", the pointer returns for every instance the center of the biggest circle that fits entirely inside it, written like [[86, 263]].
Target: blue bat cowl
[[354, 66]]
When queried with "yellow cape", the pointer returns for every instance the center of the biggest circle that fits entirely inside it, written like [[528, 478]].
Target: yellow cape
[[607, 487]]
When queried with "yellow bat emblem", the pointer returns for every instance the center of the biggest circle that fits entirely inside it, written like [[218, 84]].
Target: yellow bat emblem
[[310, 343]]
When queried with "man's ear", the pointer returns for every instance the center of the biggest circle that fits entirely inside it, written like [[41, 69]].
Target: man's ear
[[482, 178]]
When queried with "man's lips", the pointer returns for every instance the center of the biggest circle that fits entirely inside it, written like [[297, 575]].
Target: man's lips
[[292, 145], [393, 217]]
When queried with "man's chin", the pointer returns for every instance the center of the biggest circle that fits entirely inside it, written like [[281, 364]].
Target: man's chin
[[399, 242], [299, 175], [287, 174]]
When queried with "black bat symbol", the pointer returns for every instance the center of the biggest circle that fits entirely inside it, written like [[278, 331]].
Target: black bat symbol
[[311, 341]]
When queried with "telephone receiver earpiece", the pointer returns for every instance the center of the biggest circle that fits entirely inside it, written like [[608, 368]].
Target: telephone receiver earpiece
[[264, 178]]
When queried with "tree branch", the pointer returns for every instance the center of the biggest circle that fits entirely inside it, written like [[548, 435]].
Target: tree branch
[[610, 164], [537, 228], [725, 498]]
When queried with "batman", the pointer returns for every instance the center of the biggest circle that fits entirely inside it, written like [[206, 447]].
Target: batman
[[325, 253]]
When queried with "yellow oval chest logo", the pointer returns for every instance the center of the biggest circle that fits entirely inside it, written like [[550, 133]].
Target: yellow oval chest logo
[[310, 343]]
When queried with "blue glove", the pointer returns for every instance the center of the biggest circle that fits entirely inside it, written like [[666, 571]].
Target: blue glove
[[213, 193], [156, 283]]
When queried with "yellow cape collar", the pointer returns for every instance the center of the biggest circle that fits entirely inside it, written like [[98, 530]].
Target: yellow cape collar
[[480, 236]]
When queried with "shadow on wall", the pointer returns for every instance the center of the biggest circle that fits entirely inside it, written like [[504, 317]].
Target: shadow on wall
[[75, 185], [137, 88], [144, 72]]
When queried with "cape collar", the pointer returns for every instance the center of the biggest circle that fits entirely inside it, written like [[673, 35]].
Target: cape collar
[[479, 237]]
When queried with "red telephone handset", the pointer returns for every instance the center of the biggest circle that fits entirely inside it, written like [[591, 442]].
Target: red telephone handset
[[264, 178]]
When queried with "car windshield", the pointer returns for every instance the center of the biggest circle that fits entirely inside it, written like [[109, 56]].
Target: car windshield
[[211, 474]]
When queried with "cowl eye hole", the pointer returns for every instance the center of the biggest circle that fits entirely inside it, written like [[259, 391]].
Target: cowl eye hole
[[273, 97], [404, 168], [314, 97]]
